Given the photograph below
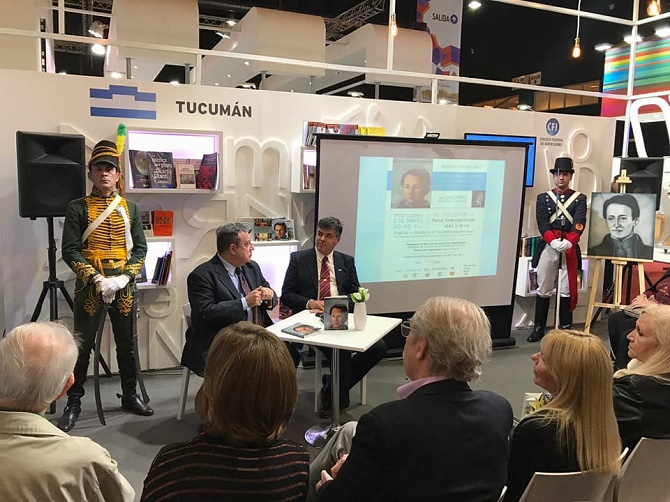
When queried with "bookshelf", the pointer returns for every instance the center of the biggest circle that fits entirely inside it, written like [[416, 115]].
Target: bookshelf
[[182, 144], [303, 174], [156, 247]]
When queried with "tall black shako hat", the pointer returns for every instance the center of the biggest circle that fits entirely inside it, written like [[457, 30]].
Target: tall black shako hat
[[105, 151], [562, 165]]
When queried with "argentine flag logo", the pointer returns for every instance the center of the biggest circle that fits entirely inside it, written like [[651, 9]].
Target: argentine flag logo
[[123, 101]]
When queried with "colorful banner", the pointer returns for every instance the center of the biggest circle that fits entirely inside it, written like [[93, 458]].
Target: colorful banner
[[652, 74], [443, 19]]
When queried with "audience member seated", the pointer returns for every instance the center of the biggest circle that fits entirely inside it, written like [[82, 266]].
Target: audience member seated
[[244, 405], [620, 323], [576, 430], [642, 391], [38, 461], [441, 440]]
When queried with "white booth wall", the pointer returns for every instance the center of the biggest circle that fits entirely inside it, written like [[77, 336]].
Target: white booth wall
[[260, 152]]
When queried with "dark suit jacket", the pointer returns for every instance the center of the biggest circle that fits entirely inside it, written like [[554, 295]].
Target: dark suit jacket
[[639, 248], [444, 442], [301, 283], [215, 304]]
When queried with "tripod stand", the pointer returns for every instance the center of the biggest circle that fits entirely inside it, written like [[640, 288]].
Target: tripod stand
[[52, 286]]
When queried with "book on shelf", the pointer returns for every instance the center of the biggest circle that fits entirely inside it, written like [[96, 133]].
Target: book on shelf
[[207, 172], [308, 177], [301, 330], [142, 276], [139, 168], [528, 245], [269, 229], [372, 131], [165, 269], [145, 216], [282, 229], [336, 312], [162, 223], [262, 229], [312, 128], [185, 173], [162, 173], [157, 269]]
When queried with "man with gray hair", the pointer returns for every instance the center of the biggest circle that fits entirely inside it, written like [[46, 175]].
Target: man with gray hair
[[228, 288], [41, 462], [441, 440]]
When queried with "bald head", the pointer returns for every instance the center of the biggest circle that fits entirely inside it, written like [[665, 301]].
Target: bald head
[[36, 362]]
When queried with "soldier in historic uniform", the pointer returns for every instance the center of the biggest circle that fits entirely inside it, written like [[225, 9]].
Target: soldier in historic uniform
[[561, 216], [104, 244]]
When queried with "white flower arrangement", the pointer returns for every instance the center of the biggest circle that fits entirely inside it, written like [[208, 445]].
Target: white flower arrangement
[[360, 296]]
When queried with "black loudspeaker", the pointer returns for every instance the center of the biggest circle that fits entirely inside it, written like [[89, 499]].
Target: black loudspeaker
[[51, 172]]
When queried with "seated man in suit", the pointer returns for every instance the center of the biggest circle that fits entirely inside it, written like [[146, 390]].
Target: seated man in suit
[[441, 440], [40, 461], [314, 274], [228, 288]]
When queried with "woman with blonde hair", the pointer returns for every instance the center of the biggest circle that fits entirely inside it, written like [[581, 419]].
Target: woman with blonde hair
[[577, 429], [642, 390], [244, 405]]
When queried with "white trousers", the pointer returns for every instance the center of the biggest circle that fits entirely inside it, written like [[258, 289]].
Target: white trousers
[[546, 273]]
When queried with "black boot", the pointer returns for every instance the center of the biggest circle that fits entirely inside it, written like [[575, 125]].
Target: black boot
[[541, 312], [70, 414], [133, 403], [564, 314]]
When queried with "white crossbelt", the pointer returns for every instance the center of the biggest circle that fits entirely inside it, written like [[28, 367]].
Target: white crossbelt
[[562, 209]]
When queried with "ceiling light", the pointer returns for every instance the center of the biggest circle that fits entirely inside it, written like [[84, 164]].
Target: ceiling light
[[576, 49], [62, 72], [247, 63], [603, 47], [393, 28], [98, 49], [135, 66], [223, 34], [229, 75], [231, 22], [97, 29], [474, 4], [174, 82], [248, 85], [654, 7], [442, 101], [524, 107], [629, 38], [292, 90], [355, 94], [663, 32], [216, 83], [116, 74]]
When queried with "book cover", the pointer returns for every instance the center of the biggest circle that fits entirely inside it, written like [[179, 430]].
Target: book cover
[[185, 173], [336, 310], [280, 230], [263, 230], [300, 329], [162, 173], [166, 266], [142, 276], [140, 165], [157, 270], [206, 177], [145, 216], [162, 222]]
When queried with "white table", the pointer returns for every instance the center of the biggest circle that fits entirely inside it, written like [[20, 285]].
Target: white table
[[351, 339]]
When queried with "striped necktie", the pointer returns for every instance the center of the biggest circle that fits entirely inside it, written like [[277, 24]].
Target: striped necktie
[[245, 290], [324, 279]]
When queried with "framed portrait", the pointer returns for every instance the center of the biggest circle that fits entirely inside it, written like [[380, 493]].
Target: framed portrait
[[621, 226]]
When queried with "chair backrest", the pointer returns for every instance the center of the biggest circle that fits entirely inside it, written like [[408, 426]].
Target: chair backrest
[[645, 476], [569, 487], [186, 308]]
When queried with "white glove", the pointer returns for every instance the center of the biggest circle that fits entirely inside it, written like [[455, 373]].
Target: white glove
[[564, 245], [107, 286], [109, 297], [120, 281], [556, 244], [97, 280]]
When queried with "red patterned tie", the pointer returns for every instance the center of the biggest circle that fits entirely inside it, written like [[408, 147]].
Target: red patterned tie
[[324, 279], [245, 290]]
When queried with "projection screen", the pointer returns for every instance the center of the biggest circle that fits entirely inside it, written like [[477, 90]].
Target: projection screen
[[424, 217]]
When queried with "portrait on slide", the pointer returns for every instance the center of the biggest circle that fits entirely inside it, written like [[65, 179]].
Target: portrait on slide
[[411, 184], [621, 225]]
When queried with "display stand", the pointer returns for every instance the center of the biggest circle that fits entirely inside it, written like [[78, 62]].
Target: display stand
[[619, 265]]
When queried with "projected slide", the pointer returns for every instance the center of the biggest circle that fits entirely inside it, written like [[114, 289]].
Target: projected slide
[[441, 218]]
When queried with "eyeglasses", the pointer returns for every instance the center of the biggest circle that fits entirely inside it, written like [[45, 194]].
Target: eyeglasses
[[405, 328]]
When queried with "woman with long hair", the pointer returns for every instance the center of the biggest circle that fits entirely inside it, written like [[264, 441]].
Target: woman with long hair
[[642, 390], [577, 429], [244, 405]]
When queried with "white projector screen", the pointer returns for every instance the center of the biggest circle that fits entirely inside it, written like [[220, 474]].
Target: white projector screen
[[457, 237]]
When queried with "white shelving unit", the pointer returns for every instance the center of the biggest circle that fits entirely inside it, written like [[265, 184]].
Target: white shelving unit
[[303, 156], [156, 247], [184, 144]]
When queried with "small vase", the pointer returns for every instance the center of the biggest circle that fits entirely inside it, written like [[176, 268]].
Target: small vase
[[360, 316]]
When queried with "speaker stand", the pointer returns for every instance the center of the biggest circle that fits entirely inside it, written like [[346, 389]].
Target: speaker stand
[[52, 286]]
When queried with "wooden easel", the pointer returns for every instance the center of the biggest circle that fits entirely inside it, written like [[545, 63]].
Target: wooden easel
[[619, 264]]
